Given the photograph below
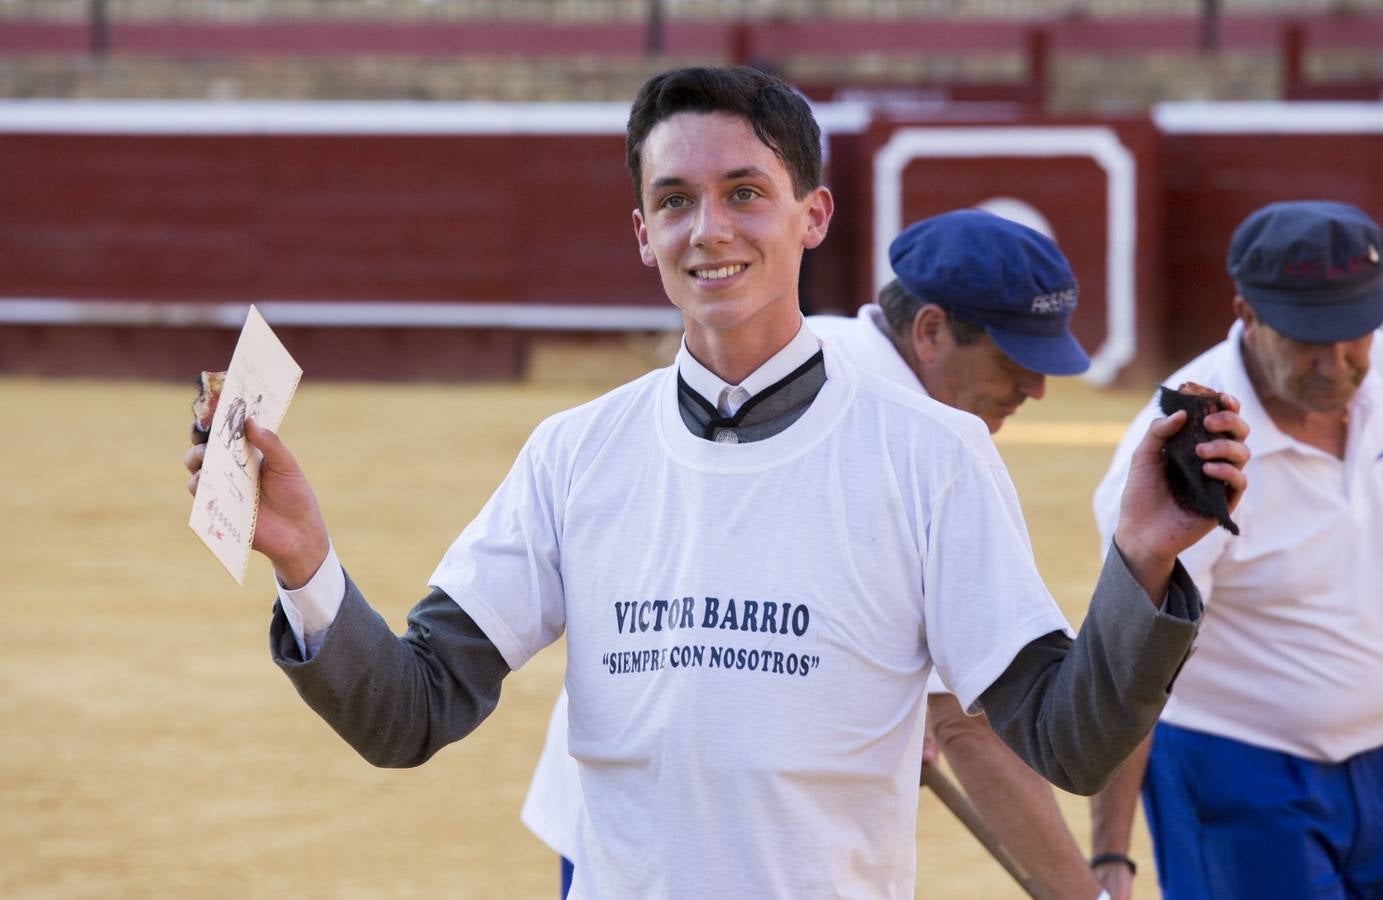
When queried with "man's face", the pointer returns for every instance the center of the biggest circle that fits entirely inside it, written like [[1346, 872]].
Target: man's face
[[721, 224], [1311, 377], [979, 379]]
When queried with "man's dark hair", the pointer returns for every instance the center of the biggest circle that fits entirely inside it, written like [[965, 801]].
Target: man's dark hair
[[900, 308], [779, 116]]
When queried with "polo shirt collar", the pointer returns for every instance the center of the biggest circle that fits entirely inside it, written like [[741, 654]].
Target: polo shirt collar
[[710, 386], [890, 362]]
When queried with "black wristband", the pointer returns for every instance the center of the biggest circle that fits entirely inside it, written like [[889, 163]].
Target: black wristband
[[1100, 859]]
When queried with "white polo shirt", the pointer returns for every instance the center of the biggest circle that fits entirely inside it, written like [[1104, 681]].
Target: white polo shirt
[[864, 341], [1290, 656]]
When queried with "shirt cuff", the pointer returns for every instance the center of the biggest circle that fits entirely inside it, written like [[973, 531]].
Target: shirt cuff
[[1183, 599], [312, 608]]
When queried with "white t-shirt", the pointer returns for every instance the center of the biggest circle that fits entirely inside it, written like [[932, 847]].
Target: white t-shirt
[[552, 807], [1290, 656], [863, 341], [749, 626]]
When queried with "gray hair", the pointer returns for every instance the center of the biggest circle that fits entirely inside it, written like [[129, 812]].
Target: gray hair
[[900, 308]]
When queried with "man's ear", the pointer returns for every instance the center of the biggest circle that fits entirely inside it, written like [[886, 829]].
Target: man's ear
[[820, 207], [1244, 313], [641, 235], [929, 333]]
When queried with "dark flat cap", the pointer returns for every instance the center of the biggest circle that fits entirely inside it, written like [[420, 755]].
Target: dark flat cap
[[1311, 269]]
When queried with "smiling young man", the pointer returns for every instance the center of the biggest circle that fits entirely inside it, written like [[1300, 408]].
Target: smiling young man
[[725, 224], [977, 317], [756, 556]]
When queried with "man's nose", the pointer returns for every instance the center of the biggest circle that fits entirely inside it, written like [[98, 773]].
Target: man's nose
[[1332, 360], [711, 225], [1033, 384]]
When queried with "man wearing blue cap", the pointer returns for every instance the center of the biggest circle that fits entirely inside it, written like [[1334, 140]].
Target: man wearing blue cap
[[978, 315], [980, 275], [1265, 776], [756, 556]]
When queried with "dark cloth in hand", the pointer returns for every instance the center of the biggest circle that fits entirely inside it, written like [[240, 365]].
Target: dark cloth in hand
[[1192, 488]]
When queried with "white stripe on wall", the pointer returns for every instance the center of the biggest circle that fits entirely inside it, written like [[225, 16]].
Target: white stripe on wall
[[1099, 143], [371, 314], [198, 117], [1268, 118]]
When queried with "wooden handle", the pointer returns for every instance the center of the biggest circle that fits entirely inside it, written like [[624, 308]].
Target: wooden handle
[[955, 800]]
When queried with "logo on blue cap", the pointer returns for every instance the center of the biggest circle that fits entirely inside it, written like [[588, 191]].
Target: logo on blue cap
[[1004, 277]]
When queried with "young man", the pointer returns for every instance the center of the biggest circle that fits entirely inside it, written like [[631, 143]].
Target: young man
[[1266, 770], [752, 593], [977, 318]]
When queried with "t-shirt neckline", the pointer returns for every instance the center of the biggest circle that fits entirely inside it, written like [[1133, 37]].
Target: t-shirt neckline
[[799, 437]]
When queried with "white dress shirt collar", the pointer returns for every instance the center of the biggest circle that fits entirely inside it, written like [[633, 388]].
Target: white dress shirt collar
[[728, 398]]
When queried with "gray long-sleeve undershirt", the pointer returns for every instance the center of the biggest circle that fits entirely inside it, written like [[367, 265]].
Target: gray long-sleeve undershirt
[[1073, 711], [396, 700]]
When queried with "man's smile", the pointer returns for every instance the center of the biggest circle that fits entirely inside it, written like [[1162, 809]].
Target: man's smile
[[718, 273]]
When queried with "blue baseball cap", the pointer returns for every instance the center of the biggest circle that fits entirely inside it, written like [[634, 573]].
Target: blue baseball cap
[[1004, 277], [1310, 269]]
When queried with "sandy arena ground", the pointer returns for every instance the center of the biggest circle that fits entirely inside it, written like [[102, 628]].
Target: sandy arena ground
[[149, 748]]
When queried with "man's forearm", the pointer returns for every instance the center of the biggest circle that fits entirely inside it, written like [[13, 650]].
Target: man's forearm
[[396, 700], [1014, 801], [1153, 573], [1112, 809], [1111, 823]]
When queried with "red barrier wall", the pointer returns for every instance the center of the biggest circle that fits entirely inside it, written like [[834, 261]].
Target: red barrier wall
[[1093, 187], [492, 218], [1214, 180], [515, 219], [527, 219]]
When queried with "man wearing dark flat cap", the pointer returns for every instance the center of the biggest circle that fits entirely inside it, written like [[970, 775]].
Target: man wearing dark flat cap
[[1265, 775]]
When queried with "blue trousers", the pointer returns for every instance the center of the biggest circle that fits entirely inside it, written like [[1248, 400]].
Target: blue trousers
[[1231, 820]]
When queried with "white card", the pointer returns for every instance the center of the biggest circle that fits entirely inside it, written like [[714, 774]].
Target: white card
[[259, 385]]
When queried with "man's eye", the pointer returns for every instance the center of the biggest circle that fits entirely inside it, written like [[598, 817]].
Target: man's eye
[[673, 201], [745, 193]]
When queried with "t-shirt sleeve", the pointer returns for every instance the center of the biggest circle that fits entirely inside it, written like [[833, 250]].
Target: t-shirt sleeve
[[935, 685], [983, 598], [504, 569]]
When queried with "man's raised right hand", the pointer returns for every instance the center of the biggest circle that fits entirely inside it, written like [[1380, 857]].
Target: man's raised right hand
[[290, 530]]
